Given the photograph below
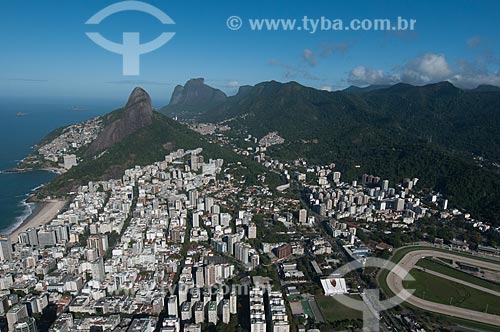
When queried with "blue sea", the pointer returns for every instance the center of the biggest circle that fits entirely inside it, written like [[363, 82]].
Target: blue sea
[[17, 136]]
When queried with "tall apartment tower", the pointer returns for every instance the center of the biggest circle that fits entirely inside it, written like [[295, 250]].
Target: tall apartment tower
[[5, 249]]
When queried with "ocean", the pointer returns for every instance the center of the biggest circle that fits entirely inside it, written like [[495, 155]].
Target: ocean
[[17, 136]]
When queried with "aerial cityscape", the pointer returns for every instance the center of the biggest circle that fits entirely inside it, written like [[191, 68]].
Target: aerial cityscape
[[298, 201]]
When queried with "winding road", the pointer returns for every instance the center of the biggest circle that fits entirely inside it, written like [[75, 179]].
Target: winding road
[[395, 283]]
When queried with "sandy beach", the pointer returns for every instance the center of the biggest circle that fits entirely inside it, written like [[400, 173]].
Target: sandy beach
[[43, 213]]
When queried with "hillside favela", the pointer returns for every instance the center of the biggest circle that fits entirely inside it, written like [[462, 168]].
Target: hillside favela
[[258, 167]]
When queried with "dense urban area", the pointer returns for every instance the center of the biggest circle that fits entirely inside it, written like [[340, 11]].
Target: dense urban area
[[187, 244]]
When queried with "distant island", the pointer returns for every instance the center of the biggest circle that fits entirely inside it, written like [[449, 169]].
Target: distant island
[[75, 108]]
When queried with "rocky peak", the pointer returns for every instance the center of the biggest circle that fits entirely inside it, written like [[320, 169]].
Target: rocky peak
[[137, 114], [195, 92], [244, 91], [139, 95]]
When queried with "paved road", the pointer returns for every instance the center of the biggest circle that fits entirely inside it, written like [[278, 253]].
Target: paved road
[[459, 281], [395, 283]]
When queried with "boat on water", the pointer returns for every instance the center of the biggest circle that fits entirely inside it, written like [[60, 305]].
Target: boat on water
[[21, 114]]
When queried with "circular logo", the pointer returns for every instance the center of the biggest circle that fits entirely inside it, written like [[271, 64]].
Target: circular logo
[[234, 22]]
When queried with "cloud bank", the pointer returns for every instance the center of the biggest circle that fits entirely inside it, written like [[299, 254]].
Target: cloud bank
[[428, 68]]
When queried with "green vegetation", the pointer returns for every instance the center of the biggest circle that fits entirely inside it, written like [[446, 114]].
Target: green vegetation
[[307, 308], [445, 260], [439, 290], [333, 310], [434, 265], [147, 146], [51, 136], [269, 271], [431, 132], [184, 249], [231, 327], [474, 325], [269, 230]]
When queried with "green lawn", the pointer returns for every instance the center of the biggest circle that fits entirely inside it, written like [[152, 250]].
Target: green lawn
[[436, 266], [333, 310], [440, 290], [471, 324], [445, 260], [294, 297]]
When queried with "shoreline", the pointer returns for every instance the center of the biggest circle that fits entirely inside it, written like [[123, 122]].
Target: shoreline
[[54, 170], [43, 213], [42, 210]]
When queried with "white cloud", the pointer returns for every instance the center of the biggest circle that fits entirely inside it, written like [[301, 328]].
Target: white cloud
[[330, 48], [472, 74], [138, 82], [293, 72], [470, 82], [430, 68], [427, 68], [473, 42], [232, 84], [327, 88], [27, 79], [362, 75], [310, 57], [327, 49]]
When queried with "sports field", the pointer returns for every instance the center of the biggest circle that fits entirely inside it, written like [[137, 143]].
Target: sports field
[[307, 309], [333, 310]]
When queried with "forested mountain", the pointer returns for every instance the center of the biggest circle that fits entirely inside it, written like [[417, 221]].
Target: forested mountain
[[448, 137], [137, 135]]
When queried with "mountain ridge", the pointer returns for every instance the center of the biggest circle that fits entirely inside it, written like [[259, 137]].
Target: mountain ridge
[[436, 132], [421, 111]]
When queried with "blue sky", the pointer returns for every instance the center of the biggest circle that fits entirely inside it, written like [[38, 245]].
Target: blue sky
[[45, 52]]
